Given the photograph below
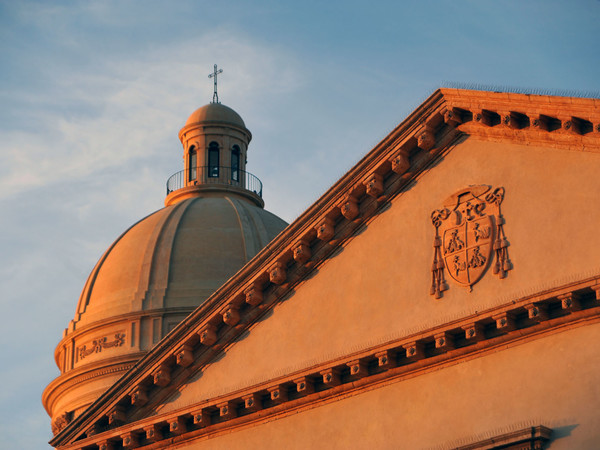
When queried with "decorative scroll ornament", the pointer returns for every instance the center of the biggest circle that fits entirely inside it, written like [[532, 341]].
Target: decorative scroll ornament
[[59, 423], [99, 344], [469, 232]]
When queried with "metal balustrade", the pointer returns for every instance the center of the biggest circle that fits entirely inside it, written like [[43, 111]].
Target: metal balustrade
[[217, 176]]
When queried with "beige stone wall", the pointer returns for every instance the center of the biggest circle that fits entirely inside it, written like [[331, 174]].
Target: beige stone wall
[[377, 287], [551, 381]]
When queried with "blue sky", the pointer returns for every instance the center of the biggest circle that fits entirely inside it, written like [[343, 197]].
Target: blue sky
[[93, 95]]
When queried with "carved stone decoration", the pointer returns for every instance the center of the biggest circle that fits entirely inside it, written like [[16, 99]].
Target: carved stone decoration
[[426, 140], [277, 273], [331, 377], [139, 396], [201, 418], [208, 335], [231, 315], [59, 423], [302, 252], [177, 425], [251, 402], [99, 344], [130, 440], [374, 185], [116, 416], [469, 232], [278, 394], [326, 230], [349, 207], [162, 377], [185, 356], [452, 118], [400, 163], [153, 433], [254, 295]]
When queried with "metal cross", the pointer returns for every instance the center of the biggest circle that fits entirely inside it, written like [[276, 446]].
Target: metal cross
[[214, 75]]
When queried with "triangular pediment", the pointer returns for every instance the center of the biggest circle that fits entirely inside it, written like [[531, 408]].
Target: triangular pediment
[[375, 216]]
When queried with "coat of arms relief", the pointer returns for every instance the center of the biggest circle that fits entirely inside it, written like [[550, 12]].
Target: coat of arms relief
[[469, 233]]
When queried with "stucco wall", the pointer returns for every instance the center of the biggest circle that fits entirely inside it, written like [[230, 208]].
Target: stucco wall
[[551, 381], [377, 287]]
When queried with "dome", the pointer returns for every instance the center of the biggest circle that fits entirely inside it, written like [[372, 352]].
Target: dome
[[215, 112], [166, 265], [176, 257], [155, 274]]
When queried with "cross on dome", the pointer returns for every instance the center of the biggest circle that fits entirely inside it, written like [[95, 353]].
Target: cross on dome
[[214, 75]]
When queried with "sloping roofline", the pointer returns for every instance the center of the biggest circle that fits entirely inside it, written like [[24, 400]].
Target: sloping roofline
[[428, 133]]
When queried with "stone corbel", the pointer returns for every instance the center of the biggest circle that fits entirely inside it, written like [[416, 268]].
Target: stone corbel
[[301, 252], [106, 445], [153, 433], [326, 230], [444, 341], [482, 117], [571, 125], [177, 425], [93, 430], [138, 396], [116, 416], [278, 273], [231, 314], [59, 423], [358, 368], [474, 332], [452, 117], [254, 295], [505, 321], [570, 301], [162, 377], [201, 418], [304, 385], [185, 356], [400, 163], [130, 440], [596, 289], [414, 350], [374, 185], [331, 377], [251, 402], [426, 139], [349, 207], [537, 313], [226, 410], [208, 335], [278, 393], [509, 119], [540, 122], [385, 359]]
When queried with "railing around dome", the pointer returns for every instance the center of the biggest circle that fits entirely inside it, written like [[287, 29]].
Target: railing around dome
[[217, 176]]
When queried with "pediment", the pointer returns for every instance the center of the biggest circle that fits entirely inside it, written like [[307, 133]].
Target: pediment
[[389, 181]]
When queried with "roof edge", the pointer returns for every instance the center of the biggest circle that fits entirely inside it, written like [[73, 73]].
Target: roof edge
[[427, 134]]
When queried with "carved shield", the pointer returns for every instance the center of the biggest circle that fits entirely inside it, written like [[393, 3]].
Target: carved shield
[[467, 243], [469, 231]]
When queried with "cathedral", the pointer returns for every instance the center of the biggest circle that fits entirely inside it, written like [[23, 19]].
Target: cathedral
[[443, 294]]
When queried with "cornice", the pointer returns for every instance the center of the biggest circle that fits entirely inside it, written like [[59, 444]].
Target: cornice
[[408, 151], [101, 324], [69, 379], [499, 328]]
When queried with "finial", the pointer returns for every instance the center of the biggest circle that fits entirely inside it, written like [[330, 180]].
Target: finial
[[214, 75]]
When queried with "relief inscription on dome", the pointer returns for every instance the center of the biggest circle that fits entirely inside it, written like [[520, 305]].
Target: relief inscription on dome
[[469, 233], [98, 344]]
